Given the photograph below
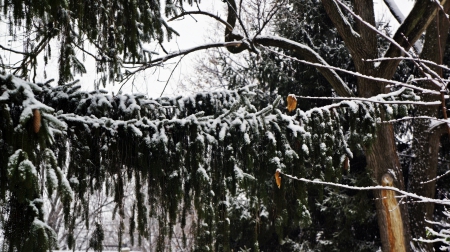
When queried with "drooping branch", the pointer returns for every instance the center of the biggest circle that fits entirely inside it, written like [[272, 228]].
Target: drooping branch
[[160, 60]]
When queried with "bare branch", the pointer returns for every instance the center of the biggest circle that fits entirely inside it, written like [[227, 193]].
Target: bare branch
[[13, 51], [398, 15], [321, 65], [420, 199], [229, 27], [159, 61], [306, 55], [435, 103]]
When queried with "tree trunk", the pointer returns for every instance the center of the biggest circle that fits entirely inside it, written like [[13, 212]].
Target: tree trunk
[[393, 216], [426, 141], [382, 156], [381, 159]]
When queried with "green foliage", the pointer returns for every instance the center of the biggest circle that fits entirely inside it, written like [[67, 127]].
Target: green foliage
[[118, 29], [23, 151], [213, 152]]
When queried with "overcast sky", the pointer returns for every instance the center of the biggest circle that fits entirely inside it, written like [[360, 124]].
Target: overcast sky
[[192, 32]]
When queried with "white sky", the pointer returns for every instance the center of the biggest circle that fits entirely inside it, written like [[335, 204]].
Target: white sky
[[151, 82]]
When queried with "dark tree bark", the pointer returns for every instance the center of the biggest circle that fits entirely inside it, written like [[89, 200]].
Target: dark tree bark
[[426, 141], [382, 156]]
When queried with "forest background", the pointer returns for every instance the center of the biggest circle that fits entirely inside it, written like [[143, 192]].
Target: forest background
[[90, 168]]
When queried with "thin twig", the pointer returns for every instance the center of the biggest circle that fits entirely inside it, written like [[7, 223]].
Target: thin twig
[[173, 70]]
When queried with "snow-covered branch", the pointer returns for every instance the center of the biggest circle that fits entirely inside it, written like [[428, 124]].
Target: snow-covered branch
[[402, 48], [420, 199], [373, 100], [410, 59], [379, 79], [398, 15], [303, 53]]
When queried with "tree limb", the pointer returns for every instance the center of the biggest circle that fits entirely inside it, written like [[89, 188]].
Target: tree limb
[[303, 52], [398, 15], [229, 27], [345, 29], [408, 33]]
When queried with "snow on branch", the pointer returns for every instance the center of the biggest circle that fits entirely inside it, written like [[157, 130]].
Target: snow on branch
[[422, 67], [411, 59], [420, 199], [373, 100], [379, 79], [398, 15]]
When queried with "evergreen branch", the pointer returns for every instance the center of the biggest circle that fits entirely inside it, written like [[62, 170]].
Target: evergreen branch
[[38, 49], [229, 27], [421, 199]]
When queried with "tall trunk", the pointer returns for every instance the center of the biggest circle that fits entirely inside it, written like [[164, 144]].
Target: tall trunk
[[382, 156], [426, 141]]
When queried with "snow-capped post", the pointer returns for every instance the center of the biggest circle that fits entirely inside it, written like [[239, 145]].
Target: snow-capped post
[[393, 216]]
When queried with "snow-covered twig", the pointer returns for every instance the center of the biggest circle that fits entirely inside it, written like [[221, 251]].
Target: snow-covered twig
[[417, 117], [396, 83], [373, 100], [421, 66], [436, 178], [420, 199], [408, 58]]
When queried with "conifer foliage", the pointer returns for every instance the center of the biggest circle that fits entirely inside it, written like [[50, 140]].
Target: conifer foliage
[[197, 152], [116, 28]]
